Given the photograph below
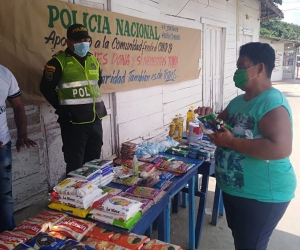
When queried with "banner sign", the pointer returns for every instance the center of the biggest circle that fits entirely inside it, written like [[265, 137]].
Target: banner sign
[[133, 52]]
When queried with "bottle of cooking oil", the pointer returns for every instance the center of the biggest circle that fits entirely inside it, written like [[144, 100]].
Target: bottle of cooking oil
[[172, 129], [180, 120], [177, 128], [190, 117]]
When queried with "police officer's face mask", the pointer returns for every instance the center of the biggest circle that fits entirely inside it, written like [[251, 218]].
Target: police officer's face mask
[[81, 49]]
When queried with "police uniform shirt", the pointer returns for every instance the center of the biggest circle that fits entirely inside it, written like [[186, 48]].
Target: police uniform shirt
[[51, 77]]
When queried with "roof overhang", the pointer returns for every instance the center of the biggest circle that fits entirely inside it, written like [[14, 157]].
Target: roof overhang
[[269, 10]]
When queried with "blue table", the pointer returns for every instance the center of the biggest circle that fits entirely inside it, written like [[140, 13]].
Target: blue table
[[179, 184]]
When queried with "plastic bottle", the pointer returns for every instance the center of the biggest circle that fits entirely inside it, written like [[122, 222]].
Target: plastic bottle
[[180, 120], [177, 128], [190, 117], [135, 166], [172, 130]]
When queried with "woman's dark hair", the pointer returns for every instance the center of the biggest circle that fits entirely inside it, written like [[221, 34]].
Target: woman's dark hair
[[260, 53]]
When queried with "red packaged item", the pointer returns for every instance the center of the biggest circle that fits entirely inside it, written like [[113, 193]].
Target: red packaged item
[[113, 246], [9, 240], [73, 228], [159, 245], [49, 217], [100, 233], [29, 228], [95, 243], [130, 241]]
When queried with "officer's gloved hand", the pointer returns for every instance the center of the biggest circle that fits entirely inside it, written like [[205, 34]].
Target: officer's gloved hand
[[64, 119]]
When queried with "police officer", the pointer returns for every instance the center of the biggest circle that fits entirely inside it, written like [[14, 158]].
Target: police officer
[[71, 84]]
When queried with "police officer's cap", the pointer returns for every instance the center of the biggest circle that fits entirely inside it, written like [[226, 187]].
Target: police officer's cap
[[77, 32]]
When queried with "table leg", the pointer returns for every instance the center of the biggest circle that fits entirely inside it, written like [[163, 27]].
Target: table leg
[[184, 200], [163, 233], [168, 223], [192, 213], [176, 201], [216, 206], [221, 207], [201, 209], [149, 231]]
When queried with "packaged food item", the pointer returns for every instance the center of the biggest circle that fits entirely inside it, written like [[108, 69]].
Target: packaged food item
[[111, 191], [96, 243], [128, 181], [109, 216], [29, 228], [79, 212], [74, 245], [177, 151], [98, 163], [175, 166], [72, 186], [113, 246], [122, 172], [131, 241], [154, 183], [214, 121], [159, 245], [147, 203], [73, 228], [124, 224], [84, 172], [146, 192], [163, 175], [100, 233], [57, 235], [76, 201], [154, 159], [118, 205], [22, 246], [45, 241], [9, 240], [49, 217]]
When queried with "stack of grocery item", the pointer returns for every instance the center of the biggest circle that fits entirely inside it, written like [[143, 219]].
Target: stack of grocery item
[[29, 228], [105, 167], [117, 210], [75, 195], [128, 150]]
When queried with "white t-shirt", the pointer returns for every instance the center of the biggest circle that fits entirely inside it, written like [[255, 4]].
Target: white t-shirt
[[8, 89]]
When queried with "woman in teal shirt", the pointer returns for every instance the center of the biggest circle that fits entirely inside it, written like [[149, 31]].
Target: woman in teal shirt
[[253, 168]]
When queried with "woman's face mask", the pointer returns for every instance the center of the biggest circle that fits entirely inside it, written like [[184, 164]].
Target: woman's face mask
[[240, 77]]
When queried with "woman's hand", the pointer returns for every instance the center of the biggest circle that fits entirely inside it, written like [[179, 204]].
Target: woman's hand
[[203, 110], [222, 139]]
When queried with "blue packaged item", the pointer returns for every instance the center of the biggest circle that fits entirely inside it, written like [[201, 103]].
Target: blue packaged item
[[194, 156], [166, 176], [74, 245], [45, 241], [23, 246], [194, 145]]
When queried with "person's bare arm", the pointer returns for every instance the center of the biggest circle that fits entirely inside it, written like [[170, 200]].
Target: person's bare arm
[[276, 129], [21, 123]]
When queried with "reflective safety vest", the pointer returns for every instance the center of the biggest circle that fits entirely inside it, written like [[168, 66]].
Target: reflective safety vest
[[78, 89]]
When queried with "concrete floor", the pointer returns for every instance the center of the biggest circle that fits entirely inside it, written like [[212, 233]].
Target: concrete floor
[[286, 235]]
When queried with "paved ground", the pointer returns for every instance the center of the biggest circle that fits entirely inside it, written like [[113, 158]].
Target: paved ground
[[285, 237]]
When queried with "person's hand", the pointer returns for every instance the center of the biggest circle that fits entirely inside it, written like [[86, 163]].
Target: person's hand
[[24, 141], [222, 139], [1, 144], [203, 111]]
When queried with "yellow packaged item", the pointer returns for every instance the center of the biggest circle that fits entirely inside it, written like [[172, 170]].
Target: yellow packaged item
[[79, 212]]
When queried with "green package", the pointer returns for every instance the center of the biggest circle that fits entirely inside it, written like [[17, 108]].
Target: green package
[[213, 120]]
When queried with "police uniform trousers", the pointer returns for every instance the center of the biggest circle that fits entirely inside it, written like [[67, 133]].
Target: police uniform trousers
[[81, 143]]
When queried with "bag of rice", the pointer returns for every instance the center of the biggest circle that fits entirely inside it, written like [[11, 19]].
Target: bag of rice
[[9, 240], [73, 228]]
